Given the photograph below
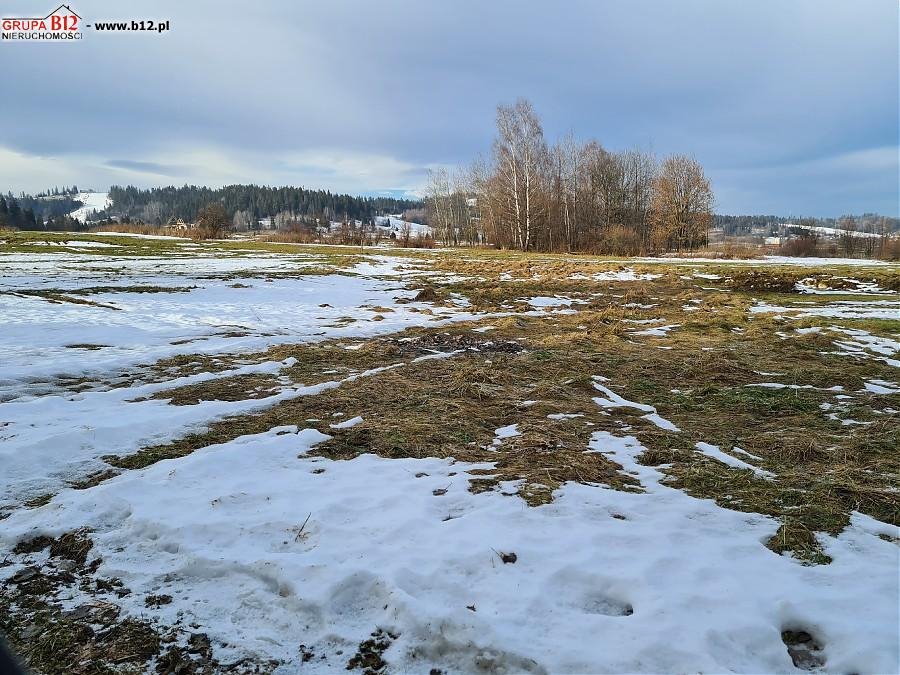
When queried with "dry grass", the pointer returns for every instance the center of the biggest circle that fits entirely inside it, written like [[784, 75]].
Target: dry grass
[[525, 369], [449, 408], [700, 381], [234, 388], [95, 637], [439, 408]]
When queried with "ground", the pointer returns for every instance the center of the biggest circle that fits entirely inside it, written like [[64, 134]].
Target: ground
[[257, 457]]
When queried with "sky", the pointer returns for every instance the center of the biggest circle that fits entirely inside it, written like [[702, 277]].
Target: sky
[[791, 106]]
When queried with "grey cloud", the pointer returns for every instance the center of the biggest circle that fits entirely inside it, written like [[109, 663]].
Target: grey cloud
[[145, 167], [753, 90]]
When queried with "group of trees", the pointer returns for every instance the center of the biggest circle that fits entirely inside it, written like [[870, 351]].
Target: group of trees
[[246, 204], [29, 213], [26, 212], [14, 216], [570, 196], [59, 192], [872, 223], [847, 237]]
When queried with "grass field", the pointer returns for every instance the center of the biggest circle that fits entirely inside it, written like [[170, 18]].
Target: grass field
[[245, 456]]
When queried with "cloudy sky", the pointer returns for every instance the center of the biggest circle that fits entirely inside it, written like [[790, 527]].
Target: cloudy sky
[[792, 106]]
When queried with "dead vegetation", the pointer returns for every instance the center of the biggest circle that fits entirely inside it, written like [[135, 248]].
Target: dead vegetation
[[444, 391], [702, 381], [95, 637], [234, 388]]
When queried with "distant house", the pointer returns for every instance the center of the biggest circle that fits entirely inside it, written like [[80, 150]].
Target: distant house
[[179, 224]]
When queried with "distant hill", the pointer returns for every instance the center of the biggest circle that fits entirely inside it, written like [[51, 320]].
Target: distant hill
[[91, 204], [773, 225], [254, 202]]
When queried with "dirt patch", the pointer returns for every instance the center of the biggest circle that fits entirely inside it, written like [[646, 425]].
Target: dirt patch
[[72, 546], [95, 637], [93, 479], [804, 650], [234, 388], [368, 657]]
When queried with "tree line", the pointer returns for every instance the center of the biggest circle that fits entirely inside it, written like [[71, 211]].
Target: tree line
[[746, 225], [570, 196], [31, 213], [246, 204]]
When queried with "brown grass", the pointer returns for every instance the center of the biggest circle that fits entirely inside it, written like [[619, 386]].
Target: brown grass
[[449, 408]]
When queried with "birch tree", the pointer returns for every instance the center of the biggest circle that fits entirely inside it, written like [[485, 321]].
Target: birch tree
[[519, 154]]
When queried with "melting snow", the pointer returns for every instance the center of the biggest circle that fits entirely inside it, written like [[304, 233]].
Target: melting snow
[[352, 422], [714, 452], [613, 400]]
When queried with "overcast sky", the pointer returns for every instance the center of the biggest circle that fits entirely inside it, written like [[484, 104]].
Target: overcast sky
[[791, 106]]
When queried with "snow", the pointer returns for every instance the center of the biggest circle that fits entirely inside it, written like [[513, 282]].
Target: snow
[[352, 422], [882, 387], [810, 286], [745, 453], [679, 585], [139, 236], [211, 318], [75, 243], [769, 260], [93, 201], [836, 232], [508, 431], [627, 274], [501, 434], [714, 452], [396, 224], [780, 385], [549, 301], [656, 331], [846, 309], [613, 400], [818, 262], [265, 546]]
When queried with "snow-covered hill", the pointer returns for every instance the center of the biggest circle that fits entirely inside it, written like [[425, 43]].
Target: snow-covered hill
[[395, 224], [836, 231], [93, 201], [389, 224]]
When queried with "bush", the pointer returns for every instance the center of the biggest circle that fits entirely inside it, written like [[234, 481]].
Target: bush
[[423, 241], [888, 249], [799, 247], [620, 240]]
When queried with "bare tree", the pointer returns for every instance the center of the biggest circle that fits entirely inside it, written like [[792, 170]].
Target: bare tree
[[211, 221], [405, 233], [848, 236], [639, 171], [241, 220], [681, 205], [571, 196], [520, 153], [571, 160]]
